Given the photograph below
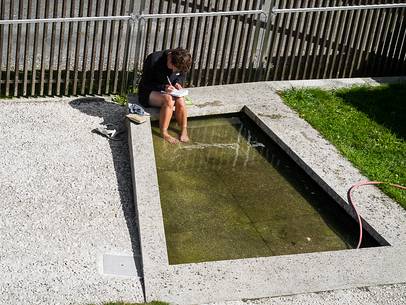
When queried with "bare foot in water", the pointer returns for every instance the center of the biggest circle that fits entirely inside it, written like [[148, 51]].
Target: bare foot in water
[[168, 138], [183, 137]]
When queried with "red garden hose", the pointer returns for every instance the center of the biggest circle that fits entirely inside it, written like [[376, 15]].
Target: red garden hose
[[362, 183]]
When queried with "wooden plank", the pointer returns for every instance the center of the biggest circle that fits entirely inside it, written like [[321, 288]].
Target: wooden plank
[[26, 48], [69, 47], [113, 29], [52, 49], [9, 48], [227, 38], [119, 47], [77, 49], [103, 45]]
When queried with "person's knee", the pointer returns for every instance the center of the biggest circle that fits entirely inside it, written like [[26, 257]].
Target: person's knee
[[180, 103], [168, 101]]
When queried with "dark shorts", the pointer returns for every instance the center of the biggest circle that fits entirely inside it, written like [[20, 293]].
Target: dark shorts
[[143, 98]]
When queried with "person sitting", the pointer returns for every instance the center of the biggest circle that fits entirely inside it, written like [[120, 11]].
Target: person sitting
[[163, 72]]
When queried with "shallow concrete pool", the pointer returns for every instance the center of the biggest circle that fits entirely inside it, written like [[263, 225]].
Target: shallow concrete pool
[[233, 193]]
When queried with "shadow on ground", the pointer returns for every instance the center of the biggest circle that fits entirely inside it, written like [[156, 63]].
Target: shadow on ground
[[113, 117], [385, 105]]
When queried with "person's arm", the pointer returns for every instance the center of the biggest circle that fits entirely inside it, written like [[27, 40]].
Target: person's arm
[[180, 81]]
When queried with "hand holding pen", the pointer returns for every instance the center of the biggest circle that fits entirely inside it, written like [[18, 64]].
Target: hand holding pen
[[169, 88]]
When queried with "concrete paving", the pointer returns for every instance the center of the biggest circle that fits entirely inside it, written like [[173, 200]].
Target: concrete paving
[[67, 203], [66, 200]]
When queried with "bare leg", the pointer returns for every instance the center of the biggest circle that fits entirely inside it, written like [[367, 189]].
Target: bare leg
[[181, 118], [166, 103]]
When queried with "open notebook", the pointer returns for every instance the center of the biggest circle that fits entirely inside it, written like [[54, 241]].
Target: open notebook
[[178, 93]]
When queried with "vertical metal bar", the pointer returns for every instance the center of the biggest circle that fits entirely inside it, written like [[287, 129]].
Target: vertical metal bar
[[43, 53], [127, 50], [339, 45], [402, 57], [83, 88], [396, 65], [282, 40], [276, 22], [243, 42], [175, 26], [253, 58], [399, 41], [9, 48], [196, 43], [183, 24], [323, 50], [191, 26], [102, 48], [35, 49], [345, 43], [289, 42], [68, 48], [386, 49], [113, 26], [138, 46], [304, 42], [118, 47], [149, 28], [333, 36], [77, 48], [218, 44], [125, 65], [295, 46], [203, 46], [167, 25], [351, 47], [18, 49], [311, 47], [158, 25], [265, 49], [52, 50], [233, 43], [225, 44], [370, 42], [319, 33], [361, 40], [94, 43], [61, 47], [377, 43], [211, 47], [2, 16], [26, 49]]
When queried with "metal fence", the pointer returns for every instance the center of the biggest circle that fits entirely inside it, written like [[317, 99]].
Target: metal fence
[[83, 52]]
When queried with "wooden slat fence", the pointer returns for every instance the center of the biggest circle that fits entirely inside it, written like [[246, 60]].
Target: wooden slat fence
[[105, 57]]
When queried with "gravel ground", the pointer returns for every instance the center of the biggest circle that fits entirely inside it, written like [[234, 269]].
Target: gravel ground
[[67, 200]]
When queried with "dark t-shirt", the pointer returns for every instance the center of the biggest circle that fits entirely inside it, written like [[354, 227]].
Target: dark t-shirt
[[154, 75]]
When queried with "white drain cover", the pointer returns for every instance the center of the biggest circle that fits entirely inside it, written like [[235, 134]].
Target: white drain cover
[[119, 265]]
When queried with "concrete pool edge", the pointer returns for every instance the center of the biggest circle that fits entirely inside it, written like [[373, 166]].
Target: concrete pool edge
[[270, 276]]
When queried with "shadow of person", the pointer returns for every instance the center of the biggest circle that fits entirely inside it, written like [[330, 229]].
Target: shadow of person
[[113, 116]]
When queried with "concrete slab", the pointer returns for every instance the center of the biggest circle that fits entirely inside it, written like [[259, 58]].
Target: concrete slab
[[278, 275], [66, 200]]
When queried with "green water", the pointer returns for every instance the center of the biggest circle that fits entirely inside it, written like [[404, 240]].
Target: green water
[[232, 193]]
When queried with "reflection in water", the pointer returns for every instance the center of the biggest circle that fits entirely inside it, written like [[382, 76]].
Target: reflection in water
[[226, 143], [232, 193]]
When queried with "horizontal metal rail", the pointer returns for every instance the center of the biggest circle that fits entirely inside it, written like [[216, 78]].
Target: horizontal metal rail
[[203, 14], [66, 19], [337, 8], [131, 17]]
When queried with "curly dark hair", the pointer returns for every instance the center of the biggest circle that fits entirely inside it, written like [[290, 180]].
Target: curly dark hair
[[181, 59]]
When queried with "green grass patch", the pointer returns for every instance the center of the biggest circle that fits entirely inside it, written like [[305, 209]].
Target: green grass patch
[[366, 124]]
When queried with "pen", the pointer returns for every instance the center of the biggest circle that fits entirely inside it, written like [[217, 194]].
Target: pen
[[169, 81]]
